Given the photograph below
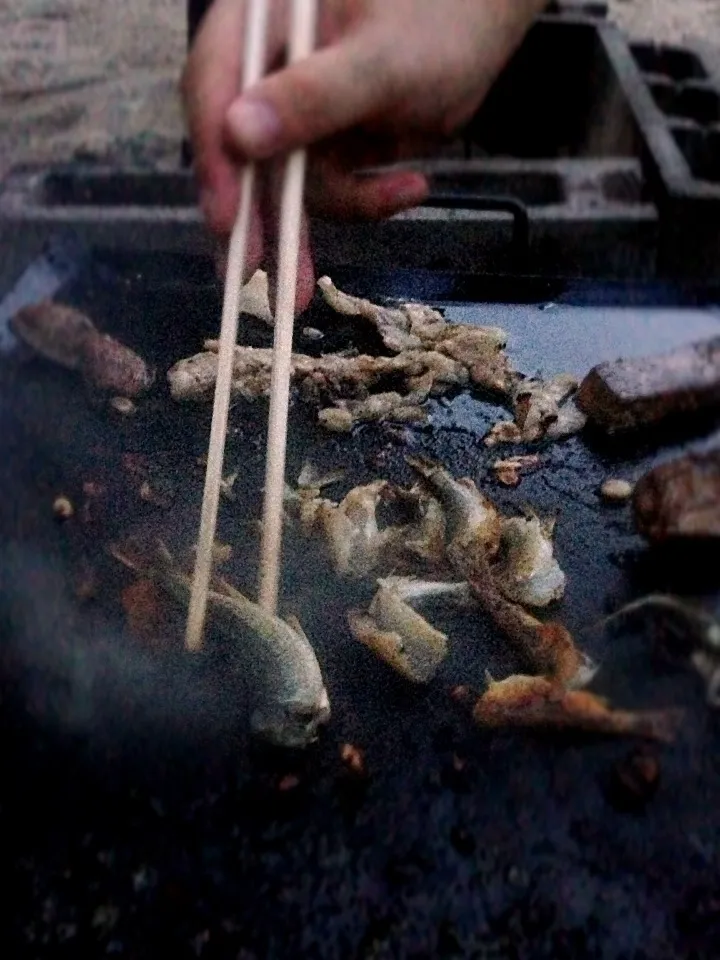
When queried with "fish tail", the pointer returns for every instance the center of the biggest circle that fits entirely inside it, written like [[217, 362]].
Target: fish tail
[[660, 725]]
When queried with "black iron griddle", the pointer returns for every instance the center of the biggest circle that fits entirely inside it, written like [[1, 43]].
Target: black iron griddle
[[156, 826]]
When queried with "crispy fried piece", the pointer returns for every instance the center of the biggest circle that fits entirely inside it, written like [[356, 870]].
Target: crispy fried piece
[[509, 472], [379, 406], [319, 379], [527, 571], [536, 702], [503, 432], [423, 540], [546, 648], [415, 326], [394, 324], [354, 539], [472, 521], [255, 299], [545, 409], [398, 634]]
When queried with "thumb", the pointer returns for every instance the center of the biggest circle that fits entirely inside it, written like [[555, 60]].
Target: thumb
[[330, 91]]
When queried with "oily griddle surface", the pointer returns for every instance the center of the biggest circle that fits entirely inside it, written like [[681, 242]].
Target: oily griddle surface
[[156, 826]]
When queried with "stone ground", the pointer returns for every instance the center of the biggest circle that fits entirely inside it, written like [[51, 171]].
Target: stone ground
[[82, 75]]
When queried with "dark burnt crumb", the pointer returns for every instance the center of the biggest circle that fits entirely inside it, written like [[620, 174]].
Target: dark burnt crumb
[[93, 496], [288, 783], [462, 841], [634, 781], [87, 584], [699, 914], [135, 464], [353, 760], [158, 493], [455, 774], [463, 695], [448, 941]]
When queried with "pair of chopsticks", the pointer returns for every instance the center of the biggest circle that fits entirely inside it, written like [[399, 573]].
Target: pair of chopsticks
[[302, 35]]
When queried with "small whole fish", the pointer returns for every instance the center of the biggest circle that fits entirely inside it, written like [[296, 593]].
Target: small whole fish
[[356, 544], [472, 522], [397, 633], [521, 701], [291, 702], [527, 571]]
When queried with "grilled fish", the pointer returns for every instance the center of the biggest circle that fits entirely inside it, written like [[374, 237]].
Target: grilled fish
[[397, 633], [291, 702], [527, 571], [536, 702], [473, 527]]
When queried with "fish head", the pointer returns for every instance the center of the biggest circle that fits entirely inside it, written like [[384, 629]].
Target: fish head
[[293, 725]]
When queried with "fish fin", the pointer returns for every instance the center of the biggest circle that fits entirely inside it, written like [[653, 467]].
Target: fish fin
[[123, 556], [292, 621]]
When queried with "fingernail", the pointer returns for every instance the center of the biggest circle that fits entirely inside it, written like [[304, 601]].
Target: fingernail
[[254, 125], [409, 192]]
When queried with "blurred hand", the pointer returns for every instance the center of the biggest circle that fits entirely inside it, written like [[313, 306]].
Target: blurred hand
[[387, 78]]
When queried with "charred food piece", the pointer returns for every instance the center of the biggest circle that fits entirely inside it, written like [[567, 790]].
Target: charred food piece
[[636, 393], [535, 702], [680, 499], [57, 332], [110, 366], [69, 338]]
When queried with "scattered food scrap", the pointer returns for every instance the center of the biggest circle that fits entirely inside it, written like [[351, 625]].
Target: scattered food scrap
[[255, 298], [431, 357], [634, 781], [123, 405], [526, 569], [680, 498], [289, 782], [521, 701], [69, 338], [616, 491], [354, 759], [398, 634], [509, 472], [506, 431], [63, 508]]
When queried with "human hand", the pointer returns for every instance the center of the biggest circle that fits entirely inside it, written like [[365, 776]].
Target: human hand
[[385, 80]]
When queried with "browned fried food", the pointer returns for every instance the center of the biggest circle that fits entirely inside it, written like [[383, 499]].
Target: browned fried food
[[509, 472], [146, 613], [110, 366], [546, 648], [521, 701]]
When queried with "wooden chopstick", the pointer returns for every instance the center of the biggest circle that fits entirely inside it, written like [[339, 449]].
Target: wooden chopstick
[[302, 39], [254, 66]]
